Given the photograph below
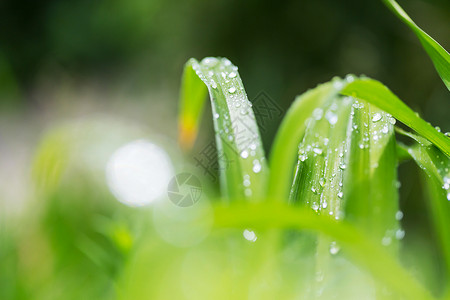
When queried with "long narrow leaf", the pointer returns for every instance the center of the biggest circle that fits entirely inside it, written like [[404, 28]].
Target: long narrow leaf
[[436, 166], [356, 244], [439, 56], [285, 147], [379, 95], [243, 169]]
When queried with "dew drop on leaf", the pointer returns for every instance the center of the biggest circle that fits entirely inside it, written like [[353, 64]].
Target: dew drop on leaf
[[256, 166], [399, 234], [249, 235], [376, 117], [244, 154], [386, 241], [334, 248]]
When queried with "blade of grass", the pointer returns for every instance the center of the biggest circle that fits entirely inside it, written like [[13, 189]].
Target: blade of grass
[[379, 95], [369, 187], [243, 169], [285, 147], [439, 56], [347, 169], [193, 96], [356, 244], [437, 166]]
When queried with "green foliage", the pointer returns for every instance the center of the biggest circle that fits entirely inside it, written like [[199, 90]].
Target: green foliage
[[439, 56], [242, 162], [325, 208]]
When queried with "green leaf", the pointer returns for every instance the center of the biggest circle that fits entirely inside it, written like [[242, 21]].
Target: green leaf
[[347, 170], [439, 56], [357, 245], [347, 165], [436, 166], [285, 147], [370, 179], [379, 95], [243, 169], [193, 96]]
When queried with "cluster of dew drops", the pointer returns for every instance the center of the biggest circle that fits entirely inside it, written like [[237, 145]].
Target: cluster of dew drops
[[225, 79], [376, 135]]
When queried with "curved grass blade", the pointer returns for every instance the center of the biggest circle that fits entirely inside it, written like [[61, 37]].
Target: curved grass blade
[[370, 179], [243, 169], [347, 165], [356, 244], [285, 147], [347, 170], [439, 56], [193, 96], [437, 166], [379, 95]]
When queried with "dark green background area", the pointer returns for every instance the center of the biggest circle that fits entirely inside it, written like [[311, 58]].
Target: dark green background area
[[281, 47]]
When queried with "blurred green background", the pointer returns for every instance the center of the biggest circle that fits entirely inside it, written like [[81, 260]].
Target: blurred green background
[[65, 63]]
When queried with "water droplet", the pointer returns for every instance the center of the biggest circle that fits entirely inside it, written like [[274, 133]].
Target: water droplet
[[226, 62], [392, 120], [314, 206], [342, 166], [302, 157], [248, 192], [340, 194], [232, 90], [216, 116], [399, 234], [249, 235], [247, 182], [244, 154], [399, 215], [438, 129], [317, 113], [213, 84], [322, 181], [209, 61], [385, 129], [337, 84], [331, 117], [376, 117], [324, 204], [318, 151], [232, 75], [386, 241], [256, 166], [350, 78], [334, 248]]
